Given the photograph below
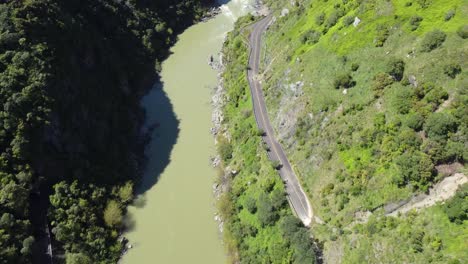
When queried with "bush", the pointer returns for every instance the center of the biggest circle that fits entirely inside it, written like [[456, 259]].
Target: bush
[[433, 40], [381, 80], [320, 19], [462, 31], [449, 15], [382, 35], [310, 36], [354, 67], [452, 70], [396, 68], [224, 149], [332, 20], [414, 121], [414, 22], [403, 100], [347, 21], [344, 81]]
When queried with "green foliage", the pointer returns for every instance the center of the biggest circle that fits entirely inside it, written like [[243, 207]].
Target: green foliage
[[414, 121], [382, 35], [344, 81], [70, 86], [449, 15], [310, 37], [113, 214], [255, 204], [452, 69], [439, 125], [380, 81], [319, 19], [462, 31], [267, 215], [224, 149], [396, 68], [414, 22], [457, 207], [415, 168], [77, 258], [347, 21], [432, 40], [332, 139]]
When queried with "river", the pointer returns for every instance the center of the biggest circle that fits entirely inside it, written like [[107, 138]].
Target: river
[[174, 222]]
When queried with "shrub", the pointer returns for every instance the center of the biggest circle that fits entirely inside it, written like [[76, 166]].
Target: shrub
[[310, 36], [381, 80], [414, 121], [424, 3], [396, 67], [382, 35], [452, 70], [332, 19], [348, 21], [344, 81], [433, 40], [449, 15], [462, 31], [320, 19], [403, 100], [224, 149], [354, 67], [414, 22]]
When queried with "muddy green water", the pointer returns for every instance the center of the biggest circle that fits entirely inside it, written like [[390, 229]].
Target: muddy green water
[[175, 224]]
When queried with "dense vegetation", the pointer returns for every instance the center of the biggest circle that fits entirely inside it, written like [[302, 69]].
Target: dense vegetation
[[71, 77], [368, 114], [259, 225]]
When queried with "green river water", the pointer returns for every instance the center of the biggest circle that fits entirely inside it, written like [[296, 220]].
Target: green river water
[[175, 223]]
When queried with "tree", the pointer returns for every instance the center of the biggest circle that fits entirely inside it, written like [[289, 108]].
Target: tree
[[126, 192], [267, 214], [439, 125], [113, 214], [77, 258], [27, 246], [251, 205]]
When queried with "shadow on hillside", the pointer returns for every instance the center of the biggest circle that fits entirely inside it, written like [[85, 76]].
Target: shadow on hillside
[[163, 130]]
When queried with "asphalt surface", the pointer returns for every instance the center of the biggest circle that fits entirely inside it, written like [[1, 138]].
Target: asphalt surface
[[296, 196]]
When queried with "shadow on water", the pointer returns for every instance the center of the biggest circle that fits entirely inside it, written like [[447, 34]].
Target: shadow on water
[[163, 130]]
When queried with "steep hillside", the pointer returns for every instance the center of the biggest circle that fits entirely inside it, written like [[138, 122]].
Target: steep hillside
[[370, 100], [71, 77], [259, 226]]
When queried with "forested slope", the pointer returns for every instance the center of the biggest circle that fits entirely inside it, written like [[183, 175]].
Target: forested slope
[[71, 77], [371, 115]]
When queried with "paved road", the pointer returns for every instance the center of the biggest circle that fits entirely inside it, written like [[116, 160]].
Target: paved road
[[297, 197]]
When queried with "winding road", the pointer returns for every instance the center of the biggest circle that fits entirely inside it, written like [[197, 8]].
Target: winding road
[[296, 195]]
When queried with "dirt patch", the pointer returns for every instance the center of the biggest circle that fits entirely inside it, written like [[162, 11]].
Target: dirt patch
[[442, 191]]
